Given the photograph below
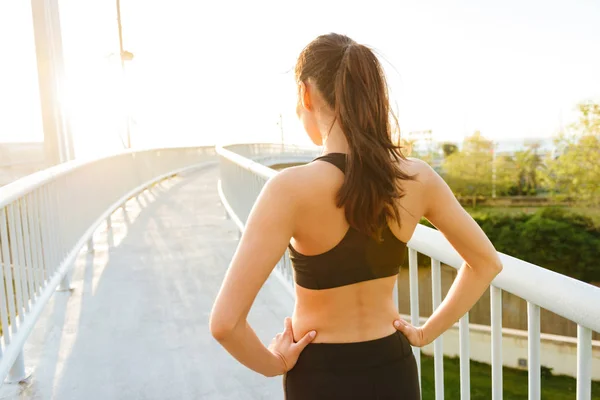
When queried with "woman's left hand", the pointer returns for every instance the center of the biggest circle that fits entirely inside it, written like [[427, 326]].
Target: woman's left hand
[[284, 347], [413, 334]]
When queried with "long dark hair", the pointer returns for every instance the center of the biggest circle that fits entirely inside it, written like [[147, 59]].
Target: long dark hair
[[351, 80]]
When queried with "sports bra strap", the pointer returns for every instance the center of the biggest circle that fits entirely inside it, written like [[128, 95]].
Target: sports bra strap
[[337, 159]]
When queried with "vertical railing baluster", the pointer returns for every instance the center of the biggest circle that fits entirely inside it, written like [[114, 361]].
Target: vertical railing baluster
[[584, 363], [30, 220], [414, 300], [496, 322], [57, 231], [60, 216], [395, 293], [75, 195], [21, 261], [8, 277], [28, 247], [56, 227], [47, 232], [50, 233], [34, 222], [14, 257], [465, 358], [7, 301], [533, 336], [438, 352], [67, 204]]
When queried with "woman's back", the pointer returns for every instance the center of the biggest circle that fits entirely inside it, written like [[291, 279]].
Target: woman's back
[[346, 219], [357, 311]]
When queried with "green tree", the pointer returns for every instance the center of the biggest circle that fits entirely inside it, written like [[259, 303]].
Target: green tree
[[528, 164], [575, 170], [469, 171], [507, 174], [449, 149]]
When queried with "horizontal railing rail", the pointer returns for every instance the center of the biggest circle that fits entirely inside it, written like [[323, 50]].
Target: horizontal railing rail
[[242, 179], [47, 217]]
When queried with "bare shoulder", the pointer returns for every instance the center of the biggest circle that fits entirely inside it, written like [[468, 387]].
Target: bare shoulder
[[283, 181], [294, 182], [422, 172], [433, 187]]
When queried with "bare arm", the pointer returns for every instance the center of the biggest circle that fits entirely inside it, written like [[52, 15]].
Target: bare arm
[[481, 265], [268, 231]]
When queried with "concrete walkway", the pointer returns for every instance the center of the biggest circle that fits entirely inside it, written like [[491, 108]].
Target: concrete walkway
[[135, 325]]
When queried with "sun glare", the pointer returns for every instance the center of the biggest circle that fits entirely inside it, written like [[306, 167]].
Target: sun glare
[[202, 74]]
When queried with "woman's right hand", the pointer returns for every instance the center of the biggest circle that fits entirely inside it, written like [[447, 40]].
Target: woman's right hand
[[413, 334], [284, 347]]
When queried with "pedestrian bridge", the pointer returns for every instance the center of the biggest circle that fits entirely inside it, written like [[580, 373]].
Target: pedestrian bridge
[[110, 267]]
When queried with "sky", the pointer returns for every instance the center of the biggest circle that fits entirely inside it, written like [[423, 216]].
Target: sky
[[220, 71]]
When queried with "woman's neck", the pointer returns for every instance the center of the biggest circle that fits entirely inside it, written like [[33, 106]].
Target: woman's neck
[[335, 141]]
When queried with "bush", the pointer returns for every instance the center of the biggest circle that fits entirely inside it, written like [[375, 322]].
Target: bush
[[553, 238]]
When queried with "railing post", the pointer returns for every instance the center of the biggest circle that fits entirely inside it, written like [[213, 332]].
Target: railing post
[[496, 322], [414, 301], [110, 237], [465, 357], [534, 365], [65, 284], [438, 349], [395, 291], [584, 363], [17, 372]]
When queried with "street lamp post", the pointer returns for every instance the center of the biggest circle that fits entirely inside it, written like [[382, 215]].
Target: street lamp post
[[123, 55]]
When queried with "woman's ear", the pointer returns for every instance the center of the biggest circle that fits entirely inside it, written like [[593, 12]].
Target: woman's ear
[[305, 97]]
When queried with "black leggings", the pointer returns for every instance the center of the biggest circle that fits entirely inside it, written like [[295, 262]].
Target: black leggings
[[376, 369]]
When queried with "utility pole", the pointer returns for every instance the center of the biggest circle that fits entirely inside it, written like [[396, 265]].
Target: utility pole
[[281, 128], [122, 56]]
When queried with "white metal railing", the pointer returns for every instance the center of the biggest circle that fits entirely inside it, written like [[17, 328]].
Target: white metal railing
[[242, 180], [47, 217]]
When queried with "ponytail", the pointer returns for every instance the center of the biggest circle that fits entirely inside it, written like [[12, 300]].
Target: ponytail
[[356, 90]]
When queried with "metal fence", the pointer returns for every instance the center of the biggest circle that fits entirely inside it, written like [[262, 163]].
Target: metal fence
[[242, 178], [45, 220]]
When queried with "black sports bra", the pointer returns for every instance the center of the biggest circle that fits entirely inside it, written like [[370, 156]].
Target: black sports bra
[[357, 258]]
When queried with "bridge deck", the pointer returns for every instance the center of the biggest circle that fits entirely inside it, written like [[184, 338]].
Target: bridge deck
[[135, 325]]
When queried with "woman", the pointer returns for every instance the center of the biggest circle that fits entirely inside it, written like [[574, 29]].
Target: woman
[[346, 218]]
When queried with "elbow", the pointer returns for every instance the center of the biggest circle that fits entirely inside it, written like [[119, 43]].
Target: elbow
[[488, 268], [496, 266], [220, 328]]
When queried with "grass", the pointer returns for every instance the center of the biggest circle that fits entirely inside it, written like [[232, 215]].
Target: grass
[[554, 387]]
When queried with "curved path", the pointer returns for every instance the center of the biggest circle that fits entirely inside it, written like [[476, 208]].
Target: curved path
[[135, 325]]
